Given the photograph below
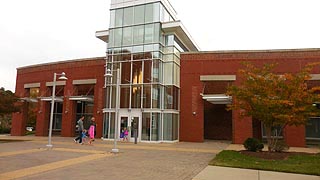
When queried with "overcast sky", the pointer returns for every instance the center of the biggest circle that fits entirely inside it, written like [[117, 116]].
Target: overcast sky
[[40, 31]]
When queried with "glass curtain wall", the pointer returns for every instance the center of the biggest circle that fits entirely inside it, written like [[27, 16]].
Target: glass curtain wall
[[149, 62]]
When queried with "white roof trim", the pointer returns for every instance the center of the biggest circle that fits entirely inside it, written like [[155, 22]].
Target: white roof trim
[[177, 28], [81, 98], [103, 35], [217, 98], [84, 81], [315, 77], [31, 85], [27, 99], [58, 83], [56, 99], [217, 77]]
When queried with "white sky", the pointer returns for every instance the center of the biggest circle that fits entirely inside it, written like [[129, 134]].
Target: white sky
[[40, 31]]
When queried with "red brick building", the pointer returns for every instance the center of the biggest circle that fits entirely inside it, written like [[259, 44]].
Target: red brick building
[[204, 78], [81, 94]]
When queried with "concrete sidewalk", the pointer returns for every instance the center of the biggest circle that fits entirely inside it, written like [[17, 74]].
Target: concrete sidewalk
[[225, 173]]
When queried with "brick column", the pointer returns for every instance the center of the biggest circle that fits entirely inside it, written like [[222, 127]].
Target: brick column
[[19, 121], [241, 127], [68, 112], [99, 101], [295, 136], [43, 116]]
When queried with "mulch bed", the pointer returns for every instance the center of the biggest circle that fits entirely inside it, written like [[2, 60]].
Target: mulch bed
[[272, 155]]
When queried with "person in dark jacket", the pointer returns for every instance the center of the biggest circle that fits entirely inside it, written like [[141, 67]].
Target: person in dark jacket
[[80, 129]]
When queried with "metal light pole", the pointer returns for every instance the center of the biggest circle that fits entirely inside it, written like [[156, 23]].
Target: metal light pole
[[62, 77], [109, 74]]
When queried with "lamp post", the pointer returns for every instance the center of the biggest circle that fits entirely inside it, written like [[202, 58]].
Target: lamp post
[[62, 77], [109, 74]]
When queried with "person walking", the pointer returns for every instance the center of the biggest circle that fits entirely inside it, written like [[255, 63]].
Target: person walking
[[80, 129], [92, 130]]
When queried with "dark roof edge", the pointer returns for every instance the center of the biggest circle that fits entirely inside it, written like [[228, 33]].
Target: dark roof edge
[[253, 51], [63, 61]]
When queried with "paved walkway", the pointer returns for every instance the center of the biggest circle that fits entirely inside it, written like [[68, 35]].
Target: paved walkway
[[30, 159]]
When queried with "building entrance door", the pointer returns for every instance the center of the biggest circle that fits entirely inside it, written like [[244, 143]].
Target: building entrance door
[[132, 122]]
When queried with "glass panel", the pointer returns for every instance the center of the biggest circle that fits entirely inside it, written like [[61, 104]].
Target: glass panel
[[145, 127], [147, 71], [146, 96], [155, 127], [156, 71], [169, 40], [108, 125], [168, 97], [124, 96], [119, 18], [137, 72], [138, 32], [156, 96], [168, 73], [313, 128], [156, 12], [148, 48], [111, 38], [113, 97], [117, 37], [112, 18], [167, 127], [125, 72], [175, 127], [127, 36], [148, 34], [137, 49], [176, 75], [128, 16], [108, 96], [127, 50], [139, 14], [117, 57], [156, 34], [112, 125], [149, 13], [138, 56], [136, 97]]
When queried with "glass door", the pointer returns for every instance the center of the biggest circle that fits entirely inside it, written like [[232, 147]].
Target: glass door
[[132, 122]]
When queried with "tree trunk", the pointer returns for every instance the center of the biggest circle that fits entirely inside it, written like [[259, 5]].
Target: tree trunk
[[269, 138]]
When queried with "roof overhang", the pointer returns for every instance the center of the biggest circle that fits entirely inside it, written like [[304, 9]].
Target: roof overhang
[[28, 99], [217, 98], [103, 35], [81, 98], [177, 28], [57, 99]]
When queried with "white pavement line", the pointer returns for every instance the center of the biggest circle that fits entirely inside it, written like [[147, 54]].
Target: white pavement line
[[12, 153], [50, 166]]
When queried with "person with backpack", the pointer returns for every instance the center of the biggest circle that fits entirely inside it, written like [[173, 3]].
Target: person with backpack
[[80, 129]]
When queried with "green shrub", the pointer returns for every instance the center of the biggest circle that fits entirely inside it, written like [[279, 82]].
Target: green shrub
[[253, 144], [280, 146], [4, 130]]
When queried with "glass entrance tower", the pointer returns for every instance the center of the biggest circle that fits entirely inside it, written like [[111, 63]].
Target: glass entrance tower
[[144, 42]]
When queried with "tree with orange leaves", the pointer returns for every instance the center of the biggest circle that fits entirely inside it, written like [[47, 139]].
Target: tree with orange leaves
[[277, 100]]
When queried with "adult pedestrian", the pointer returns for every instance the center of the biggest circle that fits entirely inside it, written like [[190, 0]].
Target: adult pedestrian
[[80, 129]]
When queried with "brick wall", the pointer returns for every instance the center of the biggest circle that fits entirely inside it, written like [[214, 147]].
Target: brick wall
[[92, 68], [193, 65]]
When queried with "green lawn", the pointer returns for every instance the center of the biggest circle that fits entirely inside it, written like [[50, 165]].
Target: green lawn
[[302, 164]]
